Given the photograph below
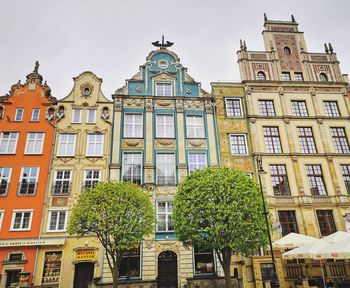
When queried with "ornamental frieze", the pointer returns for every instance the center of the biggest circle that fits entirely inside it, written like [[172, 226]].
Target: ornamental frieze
[[164, 103], [165, 143], [193, 104], [196, 143], [128, 103], [132, 143]]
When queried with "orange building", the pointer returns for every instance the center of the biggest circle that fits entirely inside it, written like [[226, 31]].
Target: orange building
[[26, 139]]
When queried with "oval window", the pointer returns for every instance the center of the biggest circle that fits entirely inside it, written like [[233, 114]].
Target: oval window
[[163, 64], [286, 50], [86, 91]]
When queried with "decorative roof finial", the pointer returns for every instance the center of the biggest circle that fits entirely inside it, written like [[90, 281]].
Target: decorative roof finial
[[265, 17], [244, 46], [36, 68], [293, 19], [326, 49], [241, 44], [330, 48], [163, 45]]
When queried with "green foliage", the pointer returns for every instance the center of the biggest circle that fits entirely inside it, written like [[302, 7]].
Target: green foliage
[[220, 209]]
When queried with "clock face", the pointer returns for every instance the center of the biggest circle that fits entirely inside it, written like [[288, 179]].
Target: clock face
[[163, 64], [86, 91]]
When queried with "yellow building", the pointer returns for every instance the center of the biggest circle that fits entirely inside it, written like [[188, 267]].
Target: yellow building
[[80, 159]]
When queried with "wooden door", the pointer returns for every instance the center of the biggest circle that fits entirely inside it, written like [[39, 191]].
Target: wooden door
[[167, 270], [84, 272]]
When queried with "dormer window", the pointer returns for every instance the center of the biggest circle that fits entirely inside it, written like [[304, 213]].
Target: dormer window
[[323, 77], [164, 89], [261, 76], [287, 51]]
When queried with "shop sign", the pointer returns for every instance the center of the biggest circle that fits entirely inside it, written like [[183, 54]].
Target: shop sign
[[31, 242], [85, 255]]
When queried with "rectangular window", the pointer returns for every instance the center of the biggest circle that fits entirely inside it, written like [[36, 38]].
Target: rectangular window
[[307, 141], [91, 178], [35, 143], [76, 115], [234, 107], [331, 108], [66, 144], [326, 222], [298, 76], [91, 116], [19, 114], [345, 169], [57, 221], [279, 179], [21, 220], [5, 176], [165, 168], [288, 222], [272, 140], [28, 182], [130, 264], [133, 127], [52, 268], [164, 217], [267, 108], [286, 76], [8, 142], [94, 145], [266, 270], [238, 143], [299, 108], [132, 167], [204, 261], [62, 182], [196, 161], [165, 126], [340, 141], [316, 182], [194, 126], [35, 114], [2, 212], [164, 89]]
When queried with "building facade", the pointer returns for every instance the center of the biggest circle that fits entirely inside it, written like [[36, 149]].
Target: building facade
[[26, 138]]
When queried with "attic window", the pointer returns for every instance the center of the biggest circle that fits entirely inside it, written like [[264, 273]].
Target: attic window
[[86, 91], [286, 50], [164, 89], [261, 75], [163, 64], [323, 77]]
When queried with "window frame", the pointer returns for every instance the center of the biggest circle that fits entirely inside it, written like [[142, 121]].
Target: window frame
[[2, 168], [265, 107], [93, 180], [133, 133], [8, 141], [197, 163], [261, 76], [197, 252], [163, 83], [29, 177], [18, 114], [234, 109], [165, 126], [323, 77], [30, 211], [94, 145], [195, 127], [128, 257], [63, 186], [328, 223], [2, 215], [88, 111], [74, 112], [35, 140], [272, 140], [298, 76], [49, 219], [123, 170], [297, 110], [345, 170], [317, 178], [286, 77], [306, 140], [33, 113], [279, 180], [167, 166], [331, 108], [166, 213], [290, 225], [340, 141], [246, 152], [65, 154]]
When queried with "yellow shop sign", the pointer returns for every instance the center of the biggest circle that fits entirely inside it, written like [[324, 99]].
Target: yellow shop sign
[[85, 255]]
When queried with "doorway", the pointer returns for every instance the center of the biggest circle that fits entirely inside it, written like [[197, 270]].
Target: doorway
[[167, 270], [84, 272], [11, 277]]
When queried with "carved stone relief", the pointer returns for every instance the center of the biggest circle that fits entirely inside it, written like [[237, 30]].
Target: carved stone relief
[[132, 143]]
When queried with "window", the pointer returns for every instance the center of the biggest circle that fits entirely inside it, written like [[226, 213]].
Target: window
[[21, 220], [28, 183], [331, 108], [15, 257], [285, 76], [345, 169], [233, 107], [91, 116], [164, 89], [164, 217], [315, 176], [8, 142], [279, 179], [267, 271], [194, 126], [19, 114], [238, 143], [204, 261], [66, 145], [261, 76], [286, 50], [5, 175], [35, 142], [165, 168], [288, 222], [272, 140], [165, 126], [2, 212], [266, 108], [307, 141], [130, 264], [196, 161], [326, 222], [340, 141], [76, 116], [62, 182], [91, 178], [299, 108], [298, 76], [35, 114], [132, 165], [57, 221], [95, 144], [133, 125], [323, 77]]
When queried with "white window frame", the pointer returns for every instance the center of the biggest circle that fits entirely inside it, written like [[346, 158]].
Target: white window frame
[[49, 218], [35, 140], [63, 152], [167, 166], [163, 83], [8, 179], [166, 213], [165, 130], [141, 163], [132, 134], [195, 126], [62, 180], [10, 139], [33, 113], [28, 178], [88, 114], [2, 215], [240, 107], [245, 143], [14, 216], [76, 111], [91, 142], [19, 119], [91, 179], [197, 163]]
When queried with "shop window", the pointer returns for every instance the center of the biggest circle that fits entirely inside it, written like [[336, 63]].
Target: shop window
[[130, 264], [52, 268], [204, 261]]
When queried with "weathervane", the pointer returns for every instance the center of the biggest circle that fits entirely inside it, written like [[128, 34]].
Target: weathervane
[[162, 45]]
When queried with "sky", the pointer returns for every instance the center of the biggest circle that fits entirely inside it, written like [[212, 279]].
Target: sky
[[112, 37]]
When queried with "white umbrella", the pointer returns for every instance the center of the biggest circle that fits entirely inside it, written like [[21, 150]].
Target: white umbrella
[[338, 250], [336, 237], [293, 240], [308, 250]]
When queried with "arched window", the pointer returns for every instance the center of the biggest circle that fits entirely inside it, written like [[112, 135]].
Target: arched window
[[286, 50], [261, 75], [323, 77]]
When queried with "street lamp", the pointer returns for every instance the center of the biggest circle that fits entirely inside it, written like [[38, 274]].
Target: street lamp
[[261, 171]]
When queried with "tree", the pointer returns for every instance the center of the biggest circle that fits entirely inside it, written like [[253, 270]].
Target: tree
[[220, 209], [118, 214]]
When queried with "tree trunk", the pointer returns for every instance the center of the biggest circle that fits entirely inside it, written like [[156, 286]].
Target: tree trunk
[[115, 274], [226, 266]]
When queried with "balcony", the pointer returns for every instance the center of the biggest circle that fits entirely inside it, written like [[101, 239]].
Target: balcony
[[61, 188], [26, 188], [281, 200]]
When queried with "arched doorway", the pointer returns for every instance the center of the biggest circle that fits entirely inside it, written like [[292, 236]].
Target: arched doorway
[[84, 272], [167, 270]]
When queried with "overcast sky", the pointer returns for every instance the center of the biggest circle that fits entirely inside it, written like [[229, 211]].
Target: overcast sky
[[112, 37]]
